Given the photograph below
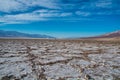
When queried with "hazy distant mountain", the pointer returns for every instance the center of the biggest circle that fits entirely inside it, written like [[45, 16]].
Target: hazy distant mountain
[[115, 34], [110, 35], [15, 34]]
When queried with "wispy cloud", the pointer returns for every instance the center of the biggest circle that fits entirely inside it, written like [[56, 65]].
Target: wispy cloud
[[10, 6], [83, 13], [104, 3], [21, 11]]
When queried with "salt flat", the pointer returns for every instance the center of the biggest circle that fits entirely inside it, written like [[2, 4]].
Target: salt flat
[[43, 59]]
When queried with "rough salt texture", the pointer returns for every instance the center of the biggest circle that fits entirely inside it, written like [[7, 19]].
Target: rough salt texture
[[32, 59]]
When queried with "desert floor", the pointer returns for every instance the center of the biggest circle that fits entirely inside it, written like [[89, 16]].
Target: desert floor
[[43, 59]]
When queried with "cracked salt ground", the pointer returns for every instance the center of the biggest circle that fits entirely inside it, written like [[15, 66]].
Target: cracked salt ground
[[81, 63], [18, 69], [61, 70], [58, 60]]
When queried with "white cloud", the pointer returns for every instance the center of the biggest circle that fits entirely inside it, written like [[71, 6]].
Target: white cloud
[[98, 4], [10, 5], [47, 13], [66, 14], [39, 10], [20, 18], [39, 15], [81, 13], [104, 4], [22, 5]]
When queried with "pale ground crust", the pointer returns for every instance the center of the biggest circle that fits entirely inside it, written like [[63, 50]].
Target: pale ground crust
[[44, 59]]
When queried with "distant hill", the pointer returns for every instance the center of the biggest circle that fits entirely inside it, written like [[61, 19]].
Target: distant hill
[[115, 34], [111, 35], [15, 34]]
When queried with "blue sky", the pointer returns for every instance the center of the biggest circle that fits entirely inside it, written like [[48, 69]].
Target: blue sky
[[60, 18]]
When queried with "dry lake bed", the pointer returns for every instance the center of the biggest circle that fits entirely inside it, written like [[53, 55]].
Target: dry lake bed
[[43, 59]]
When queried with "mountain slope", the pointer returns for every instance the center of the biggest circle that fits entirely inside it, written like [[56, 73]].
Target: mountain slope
[[109, 35], [112, 35], [15, 34]]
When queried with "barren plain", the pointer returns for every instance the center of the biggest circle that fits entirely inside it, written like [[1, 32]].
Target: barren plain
[[43, 59]]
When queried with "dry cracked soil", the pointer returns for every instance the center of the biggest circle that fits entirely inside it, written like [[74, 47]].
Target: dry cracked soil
[[43, 59]]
